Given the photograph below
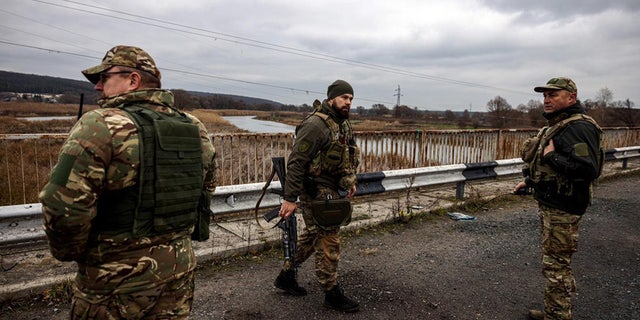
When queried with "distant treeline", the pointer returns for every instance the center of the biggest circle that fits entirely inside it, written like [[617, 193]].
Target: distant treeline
[[68, 91], [499, 113]]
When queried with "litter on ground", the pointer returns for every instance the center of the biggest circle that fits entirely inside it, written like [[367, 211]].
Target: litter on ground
[[460, 216]]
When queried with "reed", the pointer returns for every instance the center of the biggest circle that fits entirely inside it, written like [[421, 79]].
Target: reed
[[31, 109]]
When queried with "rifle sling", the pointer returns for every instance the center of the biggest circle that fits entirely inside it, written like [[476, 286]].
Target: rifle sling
[[264, 190]]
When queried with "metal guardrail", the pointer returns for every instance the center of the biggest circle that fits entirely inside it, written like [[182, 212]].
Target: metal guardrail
[[239, 198], [622, 153], [242, 198]]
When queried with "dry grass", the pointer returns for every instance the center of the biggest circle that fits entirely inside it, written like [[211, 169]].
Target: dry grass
[[11, 125], [211, 118], [359, 124], [374, 125], [214, 122], [10, 111], [25, 164], [31, 109]]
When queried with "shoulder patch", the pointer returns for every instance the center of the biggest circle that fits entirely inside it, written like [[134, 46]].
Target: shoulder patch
[[581, 149], [304, 146]]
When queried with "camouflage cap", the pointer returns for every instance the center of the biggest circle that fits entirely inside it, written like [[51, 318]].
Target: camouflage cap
[[559, 83], [125, 56]]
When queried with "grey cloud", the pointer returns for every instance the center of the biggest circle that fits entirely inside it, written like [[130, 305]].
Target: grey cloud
[[558, 9]]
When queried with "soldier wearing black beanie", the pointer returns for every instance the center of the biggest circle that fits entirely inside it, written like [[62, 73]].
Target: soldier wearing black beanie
[[315, 176], [338, 88]]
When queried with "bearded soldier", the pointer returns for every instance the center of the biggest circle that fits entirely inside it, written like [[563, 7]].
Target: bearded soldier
[[322, 174]]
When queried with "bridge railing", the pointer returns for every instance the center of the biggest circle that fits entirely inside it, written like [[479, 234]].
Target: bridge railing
[[243, 198], [26, 160]]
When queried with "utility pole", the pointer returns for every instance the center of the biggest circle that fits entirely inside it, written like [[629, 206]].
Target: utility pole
[[398, 95]]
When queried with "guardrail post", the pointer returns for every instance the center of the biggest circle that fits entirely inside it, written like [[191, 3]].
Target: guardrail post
[[460, 190]]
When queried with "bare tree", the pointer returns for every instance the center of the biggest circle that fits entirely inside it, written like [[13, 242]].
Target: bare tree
[[379, 109], [624, 113], [604, 97], [498, 111], [465, 120], [183, 99], [535, 109]]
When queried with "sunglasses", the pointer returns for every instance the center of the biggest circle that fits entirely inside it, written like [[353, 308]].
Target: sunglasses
[[106, 75]]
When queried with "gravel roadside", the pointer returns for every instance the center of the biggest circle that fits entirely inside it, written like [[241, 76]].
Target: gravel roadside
[[435, 268]]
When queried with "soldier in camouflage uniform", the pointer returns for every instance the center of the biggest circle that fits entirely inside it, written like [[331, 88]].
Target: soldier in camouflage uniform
[[311, 174], [565, 158], [130, 265]]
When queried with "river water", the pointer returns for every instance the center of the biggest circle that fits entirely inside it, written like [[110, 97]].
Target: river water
[[251, 124]]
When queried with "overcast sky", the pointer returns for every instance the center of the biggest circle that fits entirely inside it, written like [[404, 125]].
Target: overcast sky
[[454, 54]]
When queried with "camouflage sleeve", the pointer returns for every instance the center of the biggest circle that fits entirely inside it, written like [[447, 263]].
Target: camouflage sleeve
[[69, 198], [311, 136]]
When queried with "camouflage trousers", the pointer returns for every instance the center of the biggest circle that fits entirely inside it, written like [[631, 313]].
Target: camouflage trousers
[[171, 300], [559, 242], [324, 244]]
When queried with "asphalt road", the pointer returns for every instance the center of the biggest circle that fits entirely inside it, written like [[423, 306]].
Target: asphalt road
[[435, 268]]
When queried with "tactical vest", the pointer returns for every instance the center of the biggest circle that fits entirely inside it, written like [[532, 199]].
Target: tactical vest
[[170, 178], [342, 157], [541, 171]]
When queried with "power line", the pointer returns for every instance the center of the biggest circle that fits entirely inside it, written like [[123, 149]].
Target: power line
[[39, 36], [305, 91], [52, 26], [242, 81], [49, 50], [272, 46]]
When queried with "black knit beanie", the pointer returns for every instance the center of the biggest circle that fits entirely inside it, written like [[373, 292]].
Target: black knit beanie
[[338, 88]]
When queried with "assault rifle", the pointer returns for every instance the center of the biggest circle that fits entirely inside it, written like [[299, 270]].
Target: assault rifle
[[80, 106], [288, 225]]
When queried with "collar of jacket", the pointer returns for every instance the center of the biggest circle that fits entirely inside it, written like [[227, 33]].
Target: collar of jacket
[[560, 115], [327, 109], [159, 97]]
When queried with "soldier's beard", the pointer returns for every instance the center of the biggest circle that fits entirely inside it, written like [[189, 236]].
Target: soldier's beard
[[343, 112]]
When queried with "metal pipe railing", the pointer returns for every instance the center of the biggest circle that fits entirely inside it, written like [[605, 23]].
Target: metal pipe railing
[[243, 198], [26, 160]]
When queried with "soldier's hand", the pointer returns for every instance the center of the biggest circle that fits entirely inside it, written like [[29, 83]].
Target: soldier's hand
[[352, 192], [287, 208], [550, 147], [519, 186]]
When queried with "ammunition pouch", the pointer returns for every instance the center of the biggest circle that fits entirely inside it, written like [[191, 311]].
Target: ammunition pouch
[[332, 160], [330, 214], [529, 149], [203, 217]]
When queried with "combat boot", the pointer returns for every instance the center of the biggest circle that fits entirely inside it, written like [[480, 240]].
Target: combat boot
[[335, 299], [536, 314], [286, 281]]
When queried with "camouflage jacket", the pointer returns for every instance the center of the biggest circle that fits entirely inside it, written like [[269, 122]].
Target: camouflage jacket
[[313, 139], [102, 153]]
